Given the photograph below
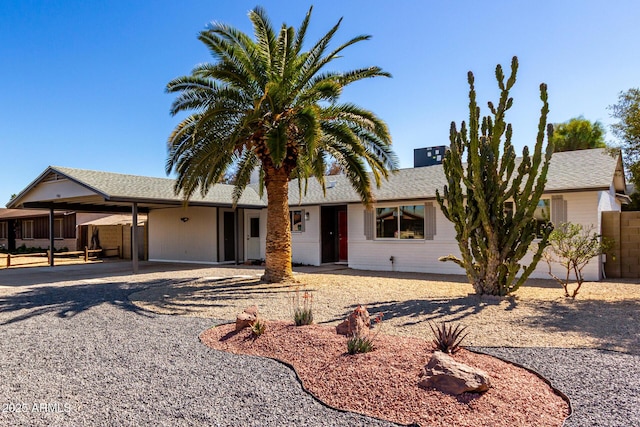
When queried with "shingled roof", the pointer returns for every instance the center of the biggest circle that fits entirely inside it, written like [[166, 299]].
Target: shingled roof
[[134, 188], [593, 169], [581, 170]]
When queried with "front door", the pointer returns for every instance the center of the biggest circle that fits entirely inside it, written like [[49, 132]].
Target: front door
[[229, 236], [342, 236], [333, 229], [253, 237]]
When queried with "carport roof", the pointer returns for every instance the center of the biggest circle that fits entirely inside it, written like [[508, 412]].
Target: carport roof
[[114, 192]]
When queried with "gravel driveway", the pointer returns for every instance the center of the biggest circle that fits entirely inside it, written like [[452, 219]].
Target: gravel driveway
[[87, 357], [81, 354]]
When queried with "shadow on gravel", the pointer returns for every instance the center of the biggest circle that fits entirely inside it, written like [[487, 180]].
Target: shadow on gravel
[[455, 309], [613, 324], [67, 301], [183, 298]]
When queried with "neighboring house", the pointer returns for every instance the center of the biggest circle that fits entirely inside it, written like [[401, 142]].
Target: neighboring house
[[405, 230], [72, 230], [30, 228]]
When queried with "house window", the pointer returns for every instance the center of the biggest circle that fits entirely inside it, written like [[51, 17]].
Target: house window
[[3, 230], [401, 222], [254, 227], [57, 228], [27, 229], [508, 208], [296, 218], [542, 215]]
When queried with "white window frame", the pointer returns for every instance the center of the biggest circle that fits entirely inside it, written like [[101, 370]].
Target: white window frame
[[542, 199], [58, 228], [297, 227], [398, 233], [509, 205], [27, 229]]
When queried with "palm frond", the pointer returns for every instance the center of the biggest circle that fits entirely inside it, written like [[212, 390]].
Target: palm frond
[[245, 167], [265, 36]]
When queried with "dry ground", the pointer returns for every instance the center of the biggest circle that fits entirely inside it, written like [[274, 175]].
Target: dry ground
[[41, 261], [604, 315]]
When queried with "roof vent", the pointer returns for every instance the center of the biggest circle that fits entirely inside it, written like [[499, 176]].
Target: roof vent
[[331, 184], [51, 177]]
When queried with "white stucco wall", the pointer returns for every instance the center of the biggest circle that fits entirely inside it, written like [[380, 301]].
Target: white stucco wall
[[54, 190], [409, 255], [171, 239], [305, 245], [422, 255]]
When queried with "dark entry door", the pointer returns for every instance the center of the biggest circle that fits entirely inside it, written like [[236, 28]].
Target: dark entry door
[[330, 230], [229, 236], [343, 248]]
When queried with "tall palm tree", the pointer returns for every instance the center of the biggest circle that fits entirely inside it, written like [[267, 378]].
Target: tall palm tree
[[267, 104]]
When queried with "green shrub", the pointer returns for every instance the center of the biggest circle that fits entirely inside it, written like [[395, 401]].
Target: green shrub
[[364, 343], [573, 246], [448, 339], [302, 307], [360, 344], [303, 316], [258, 328]]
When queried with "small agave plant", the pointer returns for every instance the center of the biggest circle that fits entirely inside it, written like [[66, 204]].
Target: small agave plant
[[258, 328], [447, 338]]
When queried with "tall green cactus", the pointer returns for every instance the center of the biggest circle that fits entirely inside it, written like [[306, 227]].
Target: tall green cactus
[[492, 240]]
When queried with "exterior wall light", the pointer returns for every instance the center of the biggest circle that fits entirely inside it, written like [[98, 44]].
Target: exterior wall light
[[184, 219], [306, 216]]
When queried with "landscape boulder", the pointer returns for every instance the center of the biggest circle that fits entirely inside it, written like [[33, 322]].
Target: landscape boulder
[[445, 374], [247, 318], [356, 323]]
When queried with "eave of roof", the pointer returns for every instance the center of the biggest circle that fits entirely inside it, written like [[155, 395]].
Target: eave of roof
[[585, 170]]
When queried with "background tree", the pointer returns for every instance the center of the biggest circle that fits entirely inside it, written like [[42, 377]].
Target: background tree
[[578, 133], [573, 246], [334, 168], [492, 239], [627, 130], [266, 103]]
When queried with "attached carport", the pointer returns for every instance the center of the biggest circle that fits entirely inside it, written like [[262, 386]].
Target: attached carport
[[68, 189]]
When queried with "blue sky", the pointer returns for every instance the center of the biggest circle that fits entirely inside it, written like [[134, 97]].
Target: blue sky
[[83, 81]]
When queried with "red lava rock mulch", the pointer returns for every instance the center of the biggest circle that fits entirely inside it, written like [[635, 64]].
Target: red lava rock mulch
[[383, 383]]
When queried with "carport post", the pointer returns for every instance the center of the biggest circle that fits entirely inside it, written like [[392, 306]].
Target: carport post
[[52, 248], [134, 238]]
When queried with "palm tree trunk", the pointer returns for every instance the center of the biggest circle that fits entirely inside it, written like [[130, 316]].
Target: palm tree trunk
[[278, 250]]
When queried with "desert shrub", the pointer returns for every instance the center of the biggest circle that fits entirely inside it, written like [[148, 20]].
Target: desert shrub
[[360, 344], [447, 338], [302, 307], [364, 342], [258, 328], [573, 246]]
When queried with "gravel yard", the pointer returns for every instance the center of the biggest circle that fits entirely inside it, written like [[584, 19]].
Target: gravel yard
[[75, 351], [604, 315], [81, 355]]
